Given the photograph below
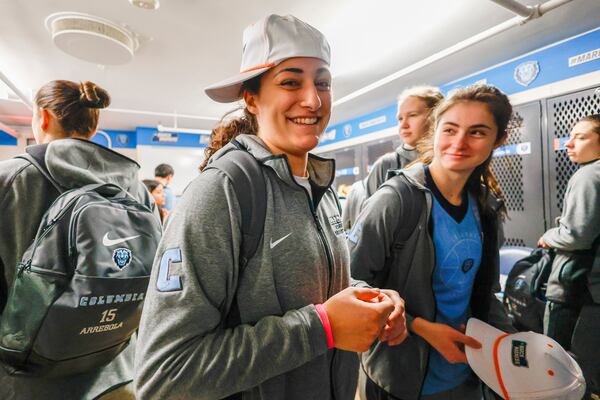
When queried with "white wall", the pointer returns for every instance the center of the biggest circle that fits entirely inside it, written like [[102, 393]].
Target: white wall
[[184, 160]]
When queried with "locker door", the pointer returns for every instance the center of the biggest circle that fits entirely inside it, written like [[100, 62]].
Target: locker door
[[518, 168], [563, 113], [376, 149], [347, 165]]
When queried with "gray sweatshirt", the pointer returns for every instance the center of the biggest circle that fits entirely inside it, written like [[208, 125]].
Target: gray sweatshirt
[[279, 351], [24, 197], [579, 223], [578, 227]]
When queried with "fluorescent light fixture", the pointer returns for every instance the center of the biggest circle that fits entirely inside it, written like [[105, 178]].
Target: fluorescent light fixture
[[175, 129]]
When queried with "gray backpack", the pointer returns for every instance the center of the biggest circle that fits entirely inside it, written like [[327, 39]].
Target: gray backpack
[[78, 291]]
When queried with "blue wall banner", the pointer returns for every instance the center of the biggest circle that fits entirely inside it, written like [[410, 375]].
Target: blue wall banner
[[118, 139], [513, 149], [373, 122], [565, 59], [7, 140], [152, 137], [352, 171]]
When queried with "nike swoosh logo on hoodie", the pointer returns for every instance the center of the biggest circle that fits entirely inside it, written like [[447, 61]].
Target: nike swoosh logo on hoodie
[[275, 243]]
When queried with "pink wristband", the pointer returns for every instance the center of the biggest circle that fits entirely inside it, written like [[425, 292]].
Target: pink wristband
[[326, 325]]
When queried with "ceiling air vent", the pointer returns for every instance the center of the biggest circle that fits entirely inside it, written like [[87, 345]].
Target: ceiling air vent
[[91, 38]]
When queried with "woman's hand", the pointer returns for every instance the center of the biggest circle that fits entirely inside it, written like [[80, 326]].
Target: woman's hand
[[394, 332], [449, 342], [357, 316]]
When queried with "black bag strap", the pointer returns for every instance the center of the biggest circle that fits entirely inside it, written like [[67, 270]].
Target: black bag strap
[[248, 182], [412, 203], [415, 199], [36, 155], [246, 176]]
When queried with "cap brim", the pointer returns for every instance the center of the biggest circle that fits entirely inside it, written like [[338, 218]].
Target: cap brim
[[228, 90], [481, 360]]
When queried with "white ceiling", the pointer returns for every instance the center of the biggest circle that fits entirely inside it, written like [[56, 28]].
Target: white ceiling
[[189, 44]]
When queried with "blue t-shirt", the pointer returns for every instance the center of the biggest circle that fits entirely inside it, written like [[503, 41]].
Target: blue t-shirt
[[458, 249], [169, 198]]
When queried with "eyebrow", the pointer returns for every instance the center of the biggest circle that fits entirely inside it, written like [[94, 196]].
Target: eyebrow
[[470, 127], [300, 70]]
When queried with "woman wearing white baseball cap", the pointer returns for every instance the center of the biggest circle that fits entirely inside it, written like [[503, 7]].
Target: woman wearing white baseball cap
[[286, 325]]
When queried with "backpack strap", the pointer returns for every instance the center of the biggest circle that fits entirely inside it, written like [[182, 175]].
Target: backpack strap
[[249, 185], [412, 201], [412, 206], [248, 182], [36, 155]]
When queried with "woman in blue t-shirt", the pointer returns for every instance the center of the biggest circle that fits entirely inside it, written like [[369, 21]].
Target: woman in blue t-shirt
[[431, 233]]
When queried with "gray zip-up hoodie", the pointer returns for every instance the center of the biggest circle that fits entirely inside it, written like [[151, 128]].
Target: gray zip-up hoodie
[[279, 351], [25, 195], [578, 226], [407, 267]]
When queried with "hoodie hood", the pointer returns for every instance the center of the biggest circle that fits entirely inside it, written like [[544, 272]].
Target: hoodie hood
[[73, 163]]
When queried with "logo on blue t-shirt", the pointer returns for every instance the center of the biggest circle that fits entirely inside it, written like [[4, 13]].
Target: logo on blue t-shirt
[[467, 265]]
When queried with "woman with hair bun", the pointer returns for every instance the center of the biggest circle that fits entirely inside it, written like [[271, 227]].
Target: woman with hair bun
[[65, 118]]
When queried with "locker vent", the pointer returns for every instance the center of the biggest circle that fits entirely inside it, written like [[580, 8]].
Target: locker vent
[[508, 170], [514, 242]]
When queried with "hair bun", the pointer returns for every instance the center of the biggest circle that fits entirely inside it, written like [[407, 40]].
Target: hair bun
[[93, 96]]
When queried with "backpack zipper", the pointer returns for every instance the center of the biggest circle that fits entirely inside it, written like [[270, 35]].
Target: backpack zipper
[[27, 267]]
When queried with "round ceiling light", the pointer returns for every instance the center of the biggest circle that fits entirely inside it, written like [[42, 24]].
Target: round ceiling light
[[91, 38], [145, 4]]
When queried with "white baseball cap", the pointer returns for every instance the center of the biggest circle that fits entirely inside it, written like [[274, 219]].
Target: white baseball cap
[[266, 43], [524, 365]]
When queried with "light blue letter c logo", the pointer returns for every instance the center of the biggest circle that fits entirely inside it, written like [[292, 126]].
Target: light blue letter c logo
[[166, 283]]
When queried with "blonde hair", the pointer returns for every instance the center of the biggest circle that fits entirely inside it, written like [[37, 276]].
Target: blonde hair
[[430, 95]]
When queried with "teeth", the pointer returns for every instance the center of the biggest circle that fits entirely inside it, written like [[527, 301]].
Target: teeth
[[305, 121]]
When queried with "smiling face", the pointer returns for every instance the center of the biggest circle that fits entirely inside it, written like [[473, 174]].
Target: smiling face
[[412, 117], [293, 105], [584, 143], [464, 137]]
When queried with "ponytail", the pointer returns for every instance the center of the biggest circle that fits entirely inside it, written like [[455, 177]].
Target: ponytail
[[228, 130]]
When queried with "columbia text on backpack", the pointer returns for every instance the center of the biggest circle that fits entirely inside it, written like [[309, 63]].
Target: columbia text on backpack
[[78, 292]]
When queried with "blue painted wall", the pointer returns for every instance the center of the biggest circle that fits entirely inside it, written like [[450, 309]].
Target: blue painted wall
[[7, 140], [151, 137], [552, 62]]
